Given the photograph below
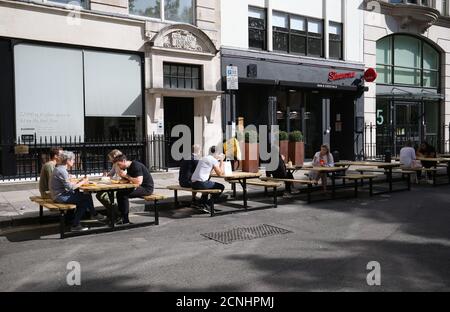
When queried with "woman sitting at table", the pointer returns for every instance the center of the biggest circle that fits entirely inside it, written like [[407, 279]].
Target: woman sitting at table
[[64, 191], [282, 173], [103, 197], [323, 158]]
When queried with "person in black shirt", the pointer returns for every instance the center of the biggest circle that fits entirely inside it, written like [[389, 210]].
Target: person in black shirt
[[187, 167], [282, 173], [136, 173], [426, 151]]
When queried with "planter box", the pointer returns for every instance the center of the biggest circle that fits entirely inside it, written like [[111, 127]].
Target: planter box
[[284, 149], [297, 153], [250, 163]]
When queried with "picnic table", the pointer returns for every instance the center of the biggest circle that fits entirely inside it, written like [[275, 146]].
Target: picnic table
[[388, 167], [110, 188], [436, 161], [292, 169], [331, 170], [241, 178]]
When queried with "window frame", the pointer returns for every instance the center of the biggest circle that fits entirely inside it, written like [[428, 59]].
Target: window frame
[[178, 76], [162, 14], [264, 48], [421, 69], [341, 41], [290, 32]]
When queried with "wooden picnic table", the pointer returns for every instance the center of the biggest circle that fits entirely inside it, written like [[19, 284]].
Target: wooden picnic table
[[332, 171], [388, 167], [110, 188], [241, 178]]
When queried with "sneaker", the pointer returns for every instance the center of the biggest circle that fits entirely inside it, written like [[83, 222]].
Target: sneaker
[[78, 228], [295, 192], [287, 195], [99, 217], [122, 222]]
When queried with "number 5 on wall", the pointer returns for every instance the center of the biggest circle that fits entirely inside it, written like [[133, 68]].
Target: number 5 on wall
[[380, 117]]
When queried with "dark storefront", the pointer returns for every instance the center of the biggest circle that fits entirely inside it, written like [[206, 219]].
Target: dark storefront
[[320, 98]]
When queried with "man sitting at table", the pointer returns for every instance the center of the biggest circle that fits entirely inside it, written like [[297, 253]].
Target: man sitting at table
[[426, 151], [201, 175], [282, 173], [137, 173], [188, 166], [47, 170], [63, 190]]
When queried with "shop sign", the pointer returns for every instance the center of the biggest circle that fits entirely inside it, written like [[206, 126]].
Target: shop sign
[[333, 76], [232, 78], [21, 149], [370, 75]]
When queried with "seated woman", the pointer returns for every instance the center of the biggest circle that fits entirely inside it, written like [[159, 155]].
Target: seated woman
[[282, 173], [323, 158], [63, 190]]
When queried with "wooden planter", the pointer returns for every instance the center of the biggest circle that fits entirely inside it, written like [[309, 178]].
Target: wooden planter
[[250, 163], [297, 153], [284, 149]]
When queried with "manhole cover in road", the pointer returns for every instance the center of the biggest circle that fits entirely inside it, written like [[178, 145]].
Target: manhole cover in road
[[245, 233]]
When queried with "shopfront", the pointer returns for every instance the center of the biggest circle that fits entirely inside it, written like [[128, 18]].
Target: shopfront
[[408, 101], [319, 98]]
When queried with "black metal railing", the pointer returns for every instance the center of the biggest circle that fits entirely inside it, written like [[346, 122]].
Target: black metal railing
[[380, 140], [22, 159]]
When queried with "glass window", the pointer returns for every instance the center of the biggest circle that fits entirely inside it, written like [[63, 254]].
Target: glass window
[[280, 32], [149, 8], [257, 28], [179, 11], [407, 51], [180, 76], [335, 40], [315, 40], [81, 3], [280, 20], [298, 24], [315, 27], [403, 59]]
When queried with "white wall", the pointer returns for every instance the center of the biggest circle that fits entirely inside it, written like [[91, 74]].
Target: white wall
[[235, 20]]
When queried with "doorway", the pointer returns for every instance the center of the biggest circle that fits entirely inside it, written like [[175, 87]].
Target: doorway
[[177, 111], [407, 123]]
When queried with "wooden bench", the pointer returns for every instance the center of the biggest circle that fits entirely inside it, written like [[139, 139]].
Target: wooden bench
[[154, 198], [309, 183], [52, 206], [177, 188], [266, 184], [360, 177]]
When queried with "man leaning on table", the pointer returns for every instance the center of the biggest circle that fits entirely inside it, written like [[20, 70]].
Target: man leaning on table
[[137, 173], [201, 175]]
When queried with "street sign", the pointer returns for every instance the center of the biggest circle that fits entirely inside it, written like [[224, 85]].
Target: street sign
[[232, 78]]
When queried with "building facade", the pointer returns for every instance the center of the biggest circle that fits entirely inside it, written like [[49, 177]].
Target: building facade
[[110, 69], [300, 66], [409, 44]]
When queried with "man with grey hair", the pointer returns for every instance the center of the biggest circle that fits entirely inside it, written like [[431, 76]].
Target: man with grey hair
[[64, 191]]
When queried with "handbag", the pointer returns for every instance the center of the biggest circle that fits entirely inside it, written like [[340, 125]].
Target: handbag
[[228, 170]]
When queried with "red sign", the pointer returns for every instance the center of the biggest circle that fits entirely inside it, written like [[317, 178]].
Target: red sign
[[333, 76], [370, 75]]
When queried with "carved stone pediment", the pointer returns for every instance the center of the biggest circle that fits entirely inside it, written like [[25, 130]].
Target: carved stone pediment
[[183, 37]]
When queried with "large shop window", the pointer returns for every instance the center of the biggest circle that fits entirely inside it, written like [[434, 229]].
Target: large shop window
[[77, 93], [48, 91], [181, 11], [407, 60], [297, 35], [257, 28], [181, 76]]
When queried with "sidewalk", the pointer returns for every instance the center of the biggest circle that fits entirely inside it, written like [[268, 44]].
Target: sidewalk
[[17, 209]]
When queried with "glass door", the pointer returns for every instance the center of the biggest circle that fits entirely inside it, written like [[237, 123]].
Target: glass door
[[408, 121]]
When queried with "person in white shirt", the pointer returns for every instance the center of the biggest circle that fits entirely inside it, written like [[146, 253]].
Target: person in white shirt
[[201, 175], [323, 158], [408, 155]]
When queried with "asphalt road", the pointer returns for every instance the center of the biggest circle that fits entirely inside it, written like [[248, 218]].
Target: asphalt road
[[328, 249]]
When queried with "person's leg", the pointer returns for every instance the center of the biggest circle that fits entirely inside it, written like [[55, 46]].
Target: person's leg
[[124, 203], [104, 199], [201, 186], [289, 175], [216, 186], [74, 198], [323, 176]]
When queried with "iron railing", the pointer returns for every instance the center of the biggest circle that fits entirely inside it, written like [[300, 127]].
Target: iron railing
[[22, 159]]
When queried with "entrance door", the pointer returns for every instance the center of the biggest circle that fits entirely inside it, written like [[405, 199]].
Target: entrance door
[[407, 118], [177, 111]]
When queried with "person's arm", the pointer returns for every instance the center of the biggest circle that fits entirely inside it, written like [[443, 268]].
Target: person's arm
[[137, 180], [316, 162], [331, 160], [219, 168]]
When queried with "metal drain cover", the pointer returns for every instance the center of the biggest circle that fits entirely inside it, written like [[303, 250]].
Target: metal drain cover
[[245, 233]]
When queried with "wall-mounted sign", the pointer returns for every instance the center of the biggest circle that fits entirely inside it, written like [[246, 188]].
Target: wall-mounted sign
[[370, 75], [232, 78], [333, 76]]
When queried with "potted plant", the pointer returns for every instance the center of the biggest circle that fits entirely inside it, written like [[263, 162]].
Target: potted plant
[[250, 163], [296, 148], [283, 137]]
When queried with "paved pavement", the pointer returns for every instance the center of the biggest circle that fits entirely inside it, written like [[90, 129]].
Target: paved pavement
[[329, 247]]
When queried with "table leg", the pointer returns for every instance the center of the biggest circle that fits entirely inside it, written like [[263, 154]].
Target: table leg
[[389, 176], [155, 207], [333, 185], [233, 187], [62, 221], [113, 212], [356, 188], [244, 191]]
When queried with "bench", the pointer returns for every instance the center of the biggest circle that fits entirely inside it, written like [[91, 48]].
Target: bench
[[154, 198], [266, 184], [52, 206], [177, 188], [309, 183], [360, 177]]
